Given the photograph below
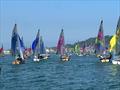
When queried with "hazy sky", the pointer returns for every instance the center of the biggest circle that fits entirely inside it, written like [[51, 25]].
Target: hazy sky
[[80, 19]]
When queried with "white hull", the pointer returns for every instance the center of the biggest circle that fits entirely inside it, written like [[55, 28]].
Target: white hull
[[65, 58], [45, 58], [105, 60], [16, 62], [116, 62], [36, 60], [80, 55]]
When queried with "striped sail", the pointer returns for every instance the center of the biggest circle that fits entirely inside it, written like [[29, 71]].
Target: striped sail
[[100, 42]]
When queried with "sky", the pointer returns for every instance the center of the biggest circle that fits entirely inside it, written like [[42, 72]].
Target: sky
[[80, 19]]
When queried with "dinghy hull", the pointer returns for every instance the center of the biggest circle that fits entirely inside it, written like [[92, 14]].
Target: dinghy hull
[[116, 62]]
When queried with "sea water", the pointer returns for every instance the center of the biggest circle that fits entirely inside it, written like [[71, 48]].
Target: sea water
[[80, 73]]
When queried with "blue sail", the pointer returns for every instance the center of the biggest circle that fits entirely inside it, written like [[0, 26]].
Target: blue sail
[[20, 47], [35, 42], [22, 44], [16, 43], [14, 40]]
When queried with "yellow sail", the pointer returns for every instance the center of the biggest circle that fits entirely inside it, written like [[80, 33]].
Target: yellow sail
[[112, 43]]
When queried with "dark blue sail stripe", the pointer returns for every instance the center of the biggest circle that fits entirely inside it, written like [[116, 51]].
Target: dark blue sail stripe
[[34, 44], [14, 43]]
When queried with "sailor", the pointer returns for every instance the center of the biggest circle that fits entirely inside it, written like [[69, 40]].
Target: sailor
[[40, 56], [101, 57], [20, 59]]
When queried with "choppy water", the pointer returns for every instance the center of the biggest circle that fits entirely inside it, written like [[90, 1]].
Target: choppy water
[[81, 73]]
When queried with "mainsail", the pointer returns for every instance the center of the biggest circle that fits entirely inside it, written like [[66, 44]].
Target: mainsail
[[20, 48], [14, 40], [16, 43], [42, 47], [22, 43], [112, 43], [118, 38], [115, 41], [77, 49], [36, 44], [100, 42], [61, 43], [1, 50]]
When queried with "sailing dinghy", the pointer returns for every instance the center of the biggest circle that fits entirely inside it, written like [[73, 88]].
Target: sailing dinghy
[[100, 48], [115, 45], [16, 47], [61, 48], [39, 49]]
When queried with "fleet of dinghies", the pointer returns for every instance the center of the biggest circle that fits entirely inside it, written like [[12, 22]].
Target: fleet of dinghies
[[38, 51]]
